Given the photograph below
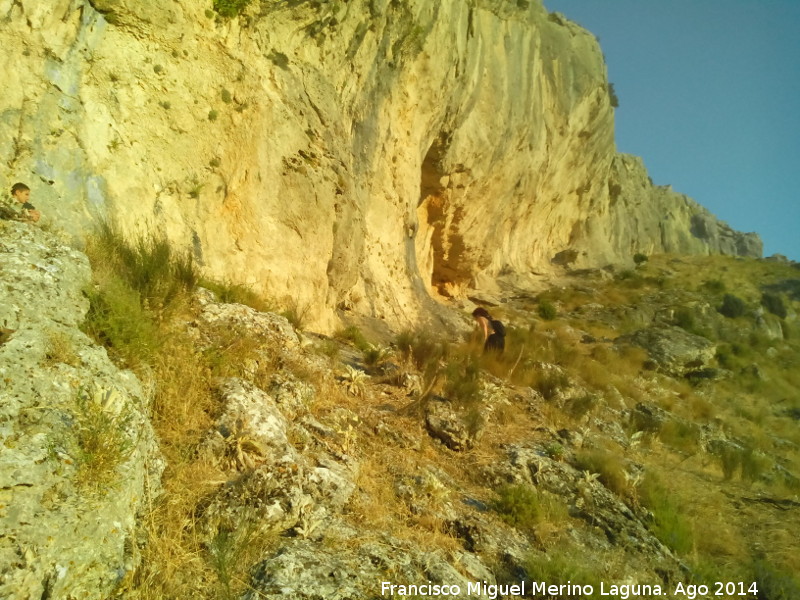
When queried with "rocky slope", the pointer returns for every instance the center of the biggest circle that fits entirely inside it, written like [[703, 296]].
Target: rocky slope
[[365, 155], [79, 464], [323, 468]]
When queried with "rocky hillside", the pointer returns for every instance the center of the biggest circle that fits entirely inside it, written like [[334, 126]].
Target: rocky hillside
[[639, 434], [79, 465], [361, 155]]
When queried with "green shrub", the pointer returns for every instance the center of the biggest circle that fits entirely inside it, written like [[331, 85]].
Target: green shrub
[[732, 306], [726, 357], [547, 310], [375, 355], [554, 450], [754, 464], [774, 304], [714, 286], [296, 314], [744, 459], [149, 265], [230, 8], [612, 96], [118, 321], [681, 435], [134, 283], [519, 506], [684, 318], [579, 406], [640, 258]]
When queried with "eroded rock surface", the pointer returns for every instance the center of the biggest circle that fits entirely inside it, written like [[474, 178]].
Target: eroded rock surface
[[79, 461]]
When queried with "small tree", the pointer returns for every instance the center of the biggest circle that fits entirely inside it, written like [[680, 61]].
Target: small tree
[[732, 306], [612, 96]]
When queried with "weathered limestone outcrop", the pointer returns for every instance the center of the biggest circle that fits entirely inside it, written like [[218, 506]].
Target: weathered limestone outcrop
[[363, 155], [641, 217], [79, 460]]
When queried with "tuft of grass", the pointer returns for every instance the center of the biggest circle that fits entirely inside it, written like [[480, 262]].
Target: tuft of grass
[[609, 465], [521, 506], [376, 355], [744, 459], [550, 383], [462, 381], [670, 524], [681, 435], [580, 406], [775, 583], [353, 334], [59, 349], [422, 350], [237, 293], [563, 566], [118, 319], [99, 441], [147, 264], [296, 315], [134, 285], [233, 549]]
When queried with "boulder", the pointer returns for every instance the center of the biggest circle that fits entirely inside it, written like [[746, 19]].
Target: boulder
[[79, 460], [673, 350]]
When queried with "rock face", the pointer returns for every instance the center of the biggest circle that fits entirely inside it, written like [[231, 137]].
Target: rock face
[[79, 459], [673, 349], [365, 155]]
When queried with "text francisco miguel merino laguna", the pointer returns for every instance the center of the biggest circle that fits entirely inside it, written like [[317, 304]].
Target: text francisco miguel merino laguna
[[537, 588]]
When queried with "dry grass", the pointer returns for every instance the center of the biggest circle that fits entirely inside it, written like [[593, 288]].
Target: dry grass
[[59, 349], [692, 515]]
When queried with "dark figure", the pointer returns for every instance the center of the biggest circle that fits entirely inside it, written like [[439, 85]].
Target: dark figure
[[494, 333], [18, 206]]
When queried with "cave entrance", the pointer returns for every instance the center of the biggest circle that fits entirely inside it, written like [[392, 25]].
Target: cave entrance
[[439, 245]]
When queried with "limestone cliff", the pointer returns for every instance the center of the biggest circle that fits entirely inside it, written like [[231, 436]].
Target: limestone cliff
[[361, 154]]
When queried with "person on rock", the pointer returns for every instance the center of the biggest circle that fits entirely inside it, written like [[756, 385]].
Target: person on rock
[[18, 206], [494, 333]]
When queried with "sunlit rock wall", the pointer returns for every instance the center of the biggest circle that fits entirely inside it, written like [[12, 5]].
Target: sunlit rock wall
[[365, 155]]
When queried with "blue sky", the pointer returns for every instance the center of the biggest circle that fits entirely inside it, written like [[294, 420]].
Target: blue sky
[[709, 94]]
